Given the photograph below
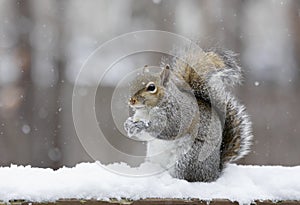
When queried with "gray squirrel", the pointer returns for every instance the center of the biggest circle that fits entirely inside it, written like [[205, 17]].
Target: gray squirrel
[[193, 125]]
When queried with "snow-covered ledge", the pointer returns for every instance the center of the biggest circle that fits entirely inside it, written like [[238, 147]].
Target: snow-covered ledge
[[89, 181]]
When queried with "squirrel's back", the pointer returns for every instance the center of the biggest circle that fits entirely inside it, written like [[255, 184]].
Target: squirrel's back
[[210, 73]]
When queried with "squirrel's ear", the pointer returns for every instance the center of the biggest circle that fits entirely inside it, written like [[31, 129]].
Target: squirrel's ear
[[165, 74], [144, 68]]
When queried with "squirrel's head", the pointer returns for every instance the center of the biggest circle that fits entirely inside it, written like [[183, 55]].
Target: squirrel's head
[[150, 89]]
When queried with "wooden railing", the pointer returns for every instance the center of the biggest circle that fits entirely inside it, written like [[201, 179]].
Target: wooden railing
[[150, 201]]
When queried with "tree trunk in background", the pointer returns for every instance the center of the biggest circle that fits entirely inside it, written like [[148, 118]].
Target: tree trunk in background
[[295, 24], [47, 71], [17, 96]]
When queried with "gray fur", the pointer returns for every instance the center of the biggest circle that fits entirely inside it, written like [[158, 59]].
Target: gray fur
[[214, 125], [202, 161]]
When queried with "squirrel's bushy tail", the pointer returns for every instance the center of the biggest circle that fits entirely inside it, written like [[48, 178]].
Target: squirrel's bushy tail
[[210, 73], [237, 128], [237, 131]]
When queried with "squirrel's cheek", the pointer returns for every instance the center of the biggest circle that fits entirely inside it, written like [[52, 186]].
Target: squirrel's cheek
[[151, 101]]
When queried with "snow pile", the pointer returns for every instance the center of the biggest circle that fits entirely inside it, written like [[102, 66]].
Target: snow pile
[[91, 181]]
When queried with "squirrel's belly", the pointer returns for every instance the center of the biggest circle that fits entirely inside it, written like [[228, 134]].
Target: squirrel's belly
[[167, 152]]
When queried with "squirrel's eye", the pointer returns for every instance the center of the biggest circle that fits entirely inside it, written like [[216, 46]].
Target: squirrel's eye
[[151, 87]]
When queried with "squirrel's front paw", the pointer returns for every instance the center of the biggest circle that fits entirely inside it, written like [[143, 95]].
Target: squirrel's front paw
[[133, 128]]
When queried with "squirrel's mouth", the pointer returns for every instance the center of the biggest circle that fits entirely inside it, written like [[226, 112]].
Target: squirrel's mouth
[[137, 107]]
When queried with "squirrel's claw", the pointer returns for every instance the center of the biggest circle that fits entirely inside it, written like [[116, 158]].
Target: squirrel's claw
[[133, 128]]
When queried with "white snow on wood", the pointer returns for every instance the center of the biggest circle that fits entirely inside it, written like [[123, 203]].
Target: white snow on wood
[[91, 181]]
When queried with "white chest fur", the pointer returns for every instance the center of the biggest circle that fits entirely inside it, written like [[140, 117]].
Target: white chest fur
[[141, 115], [167, 152]]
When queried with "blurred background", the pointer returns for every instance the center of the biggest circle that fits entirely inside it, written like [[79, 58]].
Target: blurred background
[[43, 44]]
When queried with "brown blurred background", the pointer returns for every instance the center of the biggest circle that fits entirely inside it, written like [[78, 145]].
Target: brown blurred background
[[44, 43]]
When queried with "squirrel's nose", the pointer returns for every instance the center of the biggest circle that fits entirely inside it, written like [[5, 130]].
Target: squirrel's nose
[[132, 101]]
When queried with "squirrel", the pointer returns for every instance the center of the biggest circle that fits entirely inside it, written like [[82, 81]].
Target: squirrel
[[193, 125]]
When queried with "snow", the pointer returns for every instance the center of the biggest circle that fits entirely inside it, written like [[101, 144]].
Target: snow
[[26, 129], [94, 181]]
